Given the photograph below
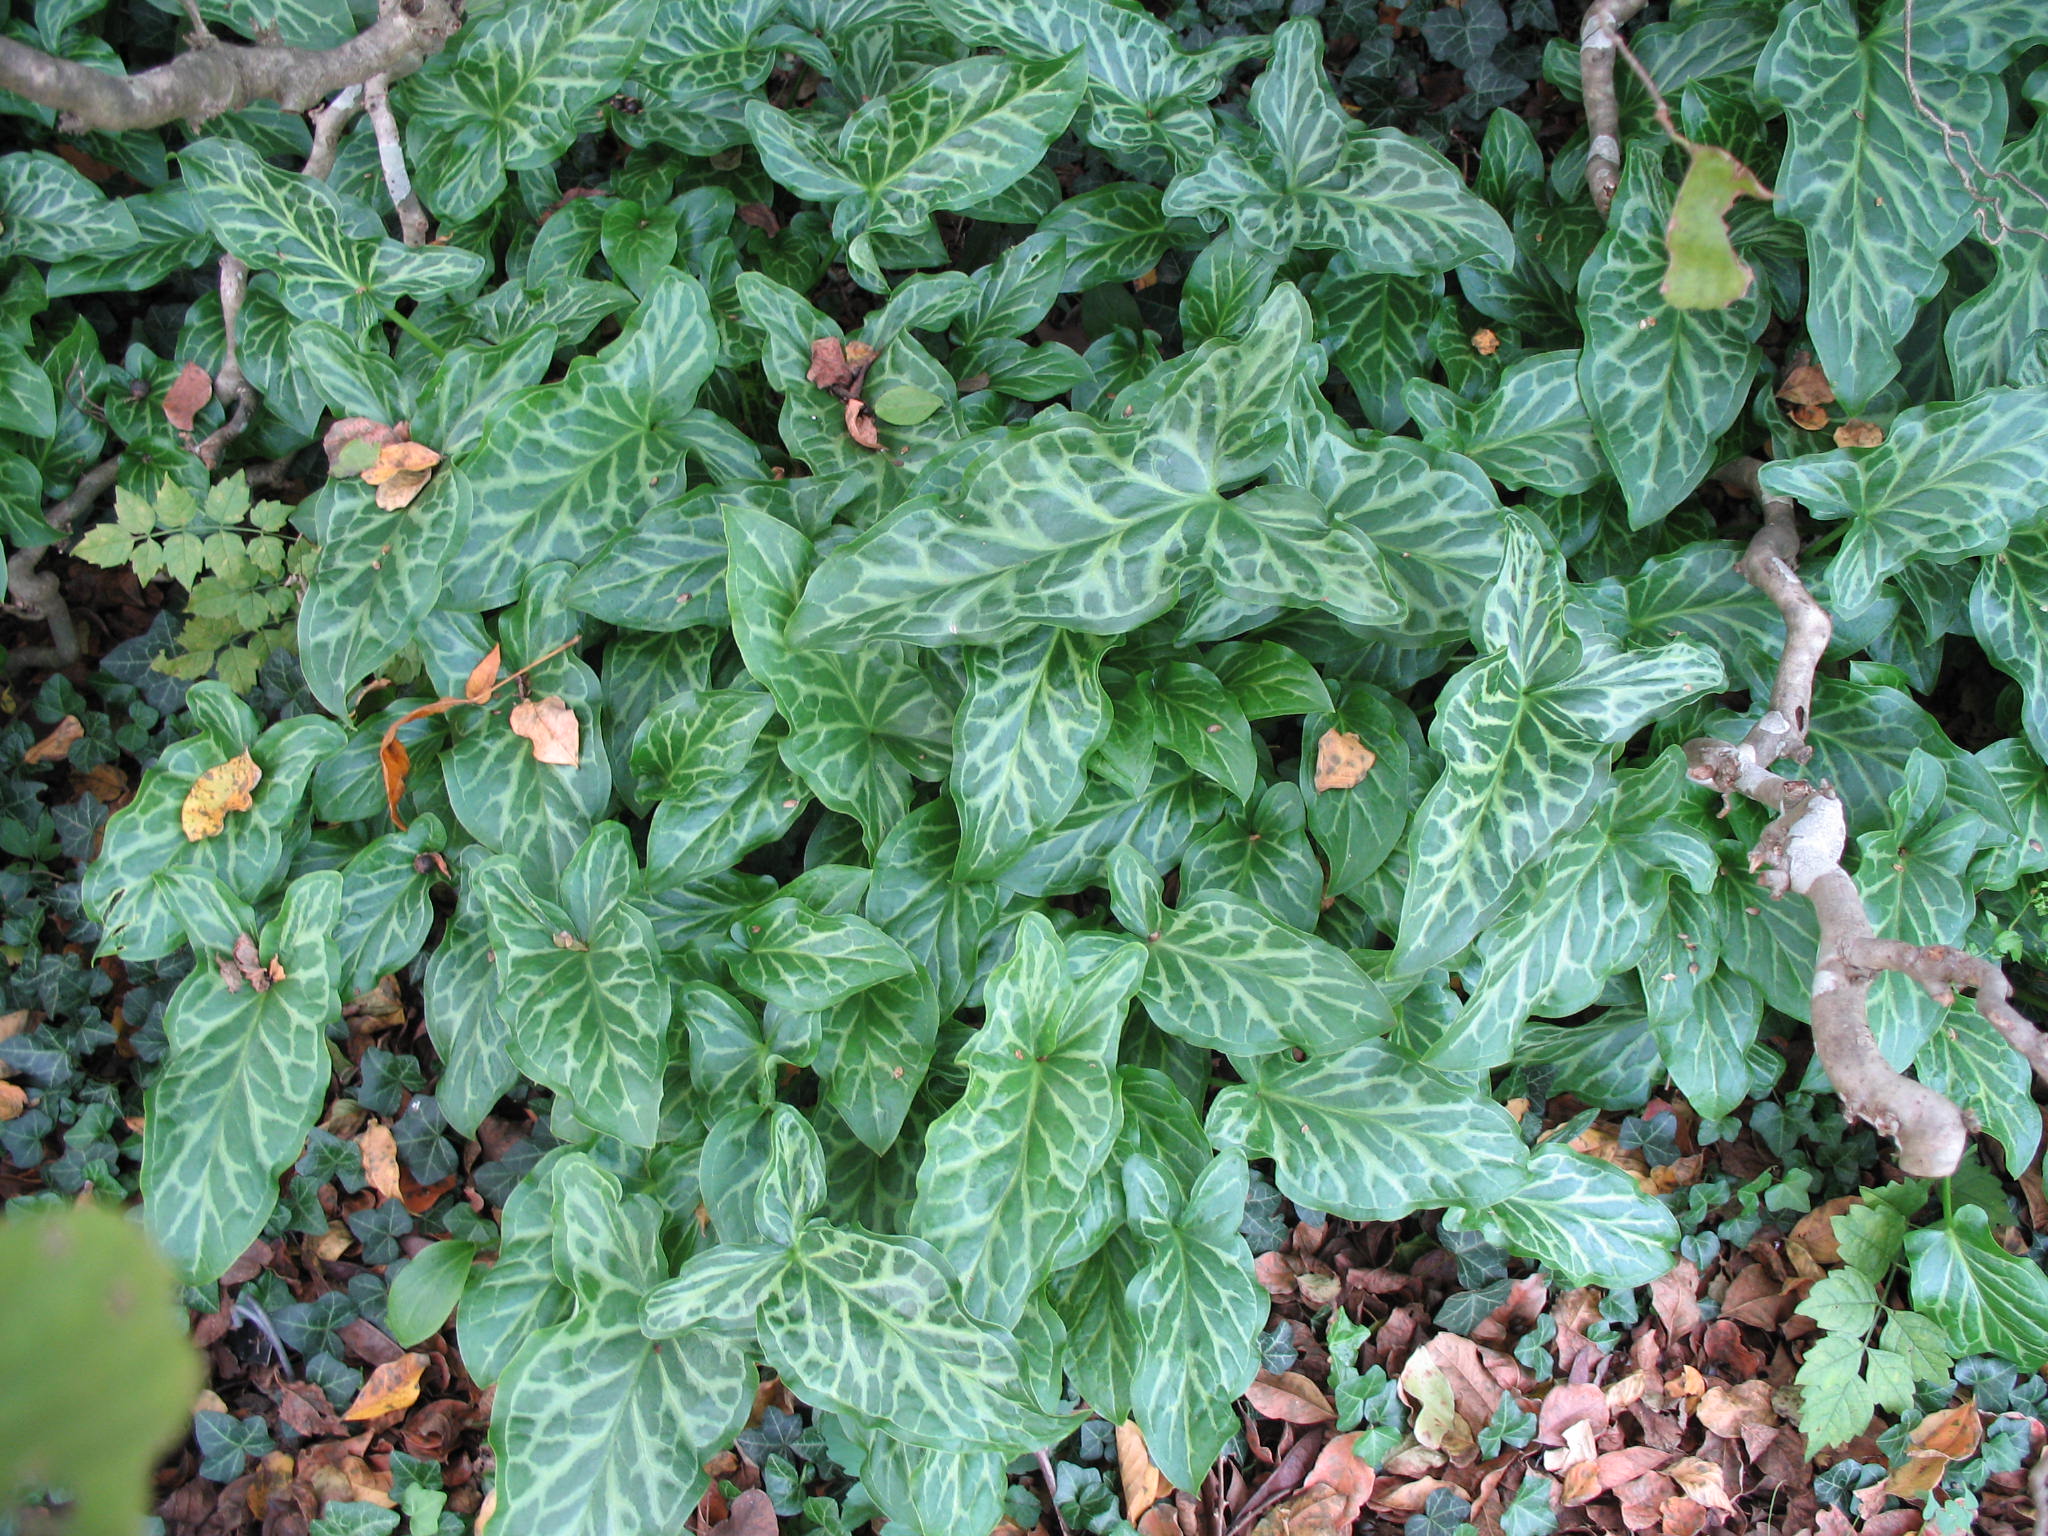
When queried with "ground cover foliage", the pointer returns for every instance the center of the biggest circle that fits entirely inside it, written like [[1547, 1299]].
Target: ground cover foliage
[[1011, 764]]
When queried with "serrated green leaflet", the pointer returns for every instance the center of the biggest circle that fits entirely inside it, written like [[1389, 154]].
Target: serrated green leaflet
[[1323, 183], [1877, 224], [1948, 481], [1662, 383], [1364, 1134], [244, 1074], [590, 1413], [1005, 1167], [1583, 1220], [592, 1007]]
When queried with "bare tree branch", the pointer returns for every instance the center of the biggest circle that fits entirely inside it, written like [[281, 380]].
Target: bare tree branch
[[229, 383], [217, 77], [36, 594], [412, 218], [1801, 852], [1598, 33]]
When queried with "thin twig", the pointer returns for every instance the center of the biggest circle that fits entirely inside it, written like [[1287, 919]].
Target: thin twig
[[1801, 852], [1052, 1491], [220, 77], [33, 593], [1599, 32], [229, 383], [328, 123], [1992, 223], [412, 218]]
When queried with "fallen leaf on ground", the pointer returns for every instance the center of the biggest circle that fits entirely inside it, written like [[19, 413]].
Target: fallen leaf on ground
[[1339, 1467], [1437, 1426], [1806, 385], [13, 1100], [219, 790], [552, 727], [1587, 1480], [379, 1149], [1701, 1481], [1311, 1512], [374, 434], [1569, 1403], [56, 746], [1674, 1300], [187, 396], [1291, 1398], [392, 1388], [1143, 1483], [1342, 760], [1953, 1432], [1725, 1409], [483, 677], [1808, 418], [105, 783], [1858, 433], [1816, 1229], [753, 1514]]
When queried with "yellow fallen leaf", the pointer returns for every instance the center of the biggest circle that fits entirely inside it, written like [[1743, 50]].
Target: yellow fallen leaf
[[552, 727], [400, 459], [483, 677], [1143, 1483], [220, 789], [13, 1100], [1342, 760], [399, 491], [379, 1150], [393, 1387], [1437, 1425], [56, 746]]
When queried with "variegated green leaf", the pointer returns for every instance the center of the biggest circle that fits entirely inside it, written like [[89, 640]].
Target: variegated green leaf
[[565, 466], [245, 1073], [1583, 1220], [1987, 1301], [1988, 334], [512, 93], [386, 908], [1867, 173], [591, 1007], [797, 957], [1378, 324], [1532, 431], [50, 212], [1969, 1061], [596, 1427], [1367, 1134], [1322, 182], [1198, 1307], [1034, 711], [874, 1326], [1005, 1167], [469, 1033], [518, 1296], [1661, 383], [1947, 482], [698, 739], [2009, 614], [1114, 233]]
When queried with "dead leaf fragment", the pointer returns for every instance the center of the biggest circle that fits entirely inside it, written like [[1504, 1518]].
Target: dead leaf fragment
[[1808, 418], [1291, 1398], [1143, 1483], [357, 429], [553, 728], [188, 396], [1589, 1479], [1954, 1432], [13, 1100], [1806, 385], [1437, 1426], [379, 1150], [1858, 433], [753, 1514], [483, 677], [1342, 760], [828, 364], [56, 746], [219, 790], [392, 1388], [1485, 342], [401, 472], [1701, 1481], [861, 425], [1725, 1410]]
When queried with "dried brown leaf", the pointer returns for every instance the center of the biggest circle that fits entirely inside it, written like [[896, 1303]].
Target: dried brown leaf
[[379, 1151], [1291, 1398], [753, 1514], [483, 677], [221, 789], [553, 728], [1569, 1403], [1726, 1410], [1953, 1432], [861, 425], [1587, 1480], [1143, 1483], [188, 395], [13, 1100], [392, 1388], [1676, 1301], [399, 491], [829, 368], [56, 746], [1342, 760], [1858, 433], [1806, 385], [1808, 418], [1701, 1481]]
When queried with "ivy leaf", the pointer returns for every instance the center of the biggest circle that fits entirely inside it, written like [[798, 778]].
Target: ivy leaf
[[518, 1296], [1948, 481], [1367, 1134], [244, 1076], [592, 1005], [1662, 383], [1005, 1167], [1526, 733], [1320, 182], [563, 467], [1855, 175], [2008, 617], [597, 1426], [1988, 1301], [511, 92], [1198, 1308]]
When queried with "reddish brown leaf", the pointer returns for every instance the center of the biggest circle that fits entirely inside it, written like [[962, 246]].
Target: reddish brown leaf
[[1589, 1479], [1806, 385], [1676, 1301], [392, 1388], [188, 395], [760, 216], [829, 368], [753, 1514], [1701, 1482], [352, 429], [861, 425], [1291, 1398], [1569, 1403], [1725, 1410]]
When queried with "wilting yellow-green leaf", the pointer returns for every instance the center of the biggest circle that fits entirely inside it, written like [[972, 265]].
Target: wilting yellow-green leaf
[[220, 789], [1705, 272]]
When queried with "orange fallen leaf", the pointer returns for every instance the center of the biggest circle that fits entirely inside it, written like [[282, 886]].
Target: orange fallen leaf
[[1919, 1473], [271, 1477], [1806, 385], [483, 677], [1340, 1469], [1953, 1432], [861, 425], [1342, 760], [1311, 1512], [1143, 1483], [13, 1100], [12, 1024], [552, 727], [400, 458], [104, 782], [379, 1151], [1816, 1229], [1858, 433], [56, 746], [1808, 418], [357, 429], [1485, 342], [188, 395], [392, 1388], [1291, 1398], [219, 790]]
